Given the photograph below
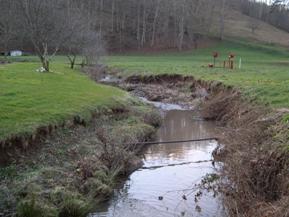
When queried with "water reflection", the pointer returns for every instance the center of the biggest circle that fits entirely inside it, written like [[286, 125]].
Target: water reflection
[[141, 194], [179, 125]]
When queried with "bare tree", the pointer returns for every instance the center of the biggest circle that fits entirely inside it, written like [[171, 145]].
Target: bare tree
[[73, 47], [45, 24], [78, 27]]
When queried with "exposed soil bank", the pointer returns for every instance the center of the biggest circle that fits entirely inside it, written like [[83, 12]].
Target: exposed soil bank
[[21, 143], [256, 159], [76, 167], [255, 155]]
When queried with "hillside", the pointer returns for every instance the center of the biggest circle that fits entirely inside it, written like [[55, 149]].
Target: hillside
[[237, 25]]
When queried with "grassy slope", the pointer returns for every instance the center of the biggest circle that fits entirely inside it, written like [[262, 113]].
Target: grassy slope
[[264, 74], [30, 99], [237, 26]]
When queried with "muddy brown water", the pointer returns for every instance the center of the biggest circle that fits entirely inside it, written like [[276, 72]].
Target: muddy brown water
[[169, 172]]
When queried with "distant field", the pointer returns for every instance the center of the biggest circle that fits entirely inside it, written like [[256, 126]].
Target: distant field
[[29, 99], [264, 74]]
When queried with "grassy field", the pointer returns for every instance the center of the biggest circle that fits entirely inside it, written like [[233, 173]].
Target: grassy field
[[264, 74], [29, 99]]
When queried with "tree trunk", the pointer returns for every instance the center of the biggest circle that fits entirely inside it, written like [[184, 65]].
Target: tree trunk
[[72, 61], [138, 24], [45, 63], [181, 29], [181, 34], [155, 22], [222, 24], [121, 30], [43, 56], [143, 38], [112, 15], [101, 18]]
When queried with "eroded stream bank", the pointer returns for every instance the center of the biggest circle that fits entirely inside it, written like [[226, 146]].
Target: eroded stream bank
[[255, 176], [77, 165]]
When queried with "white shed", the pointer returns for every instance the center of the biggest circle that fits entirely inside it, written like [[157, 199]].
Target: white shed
[[16, 53]]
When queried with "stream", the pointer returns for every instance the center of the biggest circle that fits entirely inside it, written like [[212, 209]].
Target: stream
[[167, 183]]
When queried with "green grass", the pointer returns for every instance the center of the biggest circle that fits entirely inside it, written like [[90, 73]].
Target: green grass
[[264, 74], [29, 99]]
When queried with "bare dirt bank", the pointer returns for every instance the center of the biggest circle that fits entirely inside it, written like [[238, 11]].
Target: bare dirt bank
[[255, 153]]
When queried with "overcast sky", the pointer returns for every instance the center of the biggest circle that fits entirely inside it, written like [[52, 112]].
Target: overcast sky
[[266, 1]]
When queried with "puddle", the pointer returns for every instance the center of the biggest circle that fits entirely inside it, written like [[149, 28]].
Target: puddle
[[169, 172]]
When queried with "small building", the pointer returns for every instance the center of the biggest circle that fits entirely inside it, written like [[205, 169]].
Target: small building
[[15, 53]]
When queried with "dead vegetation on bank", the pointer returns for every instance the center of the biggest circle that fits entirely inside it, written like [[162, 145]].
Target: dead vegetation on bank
[[255, 156], [77, 167]]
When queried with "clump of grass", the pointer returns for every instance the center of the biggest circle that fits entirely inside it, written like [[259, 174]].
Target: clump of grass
[[95, 187], [286, 119], [74, 208], [60, 194], [31, 208]]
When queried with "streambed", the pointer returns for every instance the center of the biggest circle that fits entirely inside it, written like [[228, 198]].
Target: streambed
[[167, 184]]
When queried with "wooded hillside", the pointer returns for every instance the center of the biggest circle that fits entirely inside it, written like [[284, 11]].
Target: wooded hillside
[[70, 25]]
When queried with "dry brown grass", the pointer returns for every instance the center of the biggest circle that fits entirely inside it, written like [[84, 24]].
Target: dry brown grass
[[237, 25], [255, 164]]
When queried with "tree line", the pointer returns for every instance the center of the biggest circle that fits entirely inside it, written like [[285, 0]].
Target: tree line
[[73, 27], [84, 28]]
